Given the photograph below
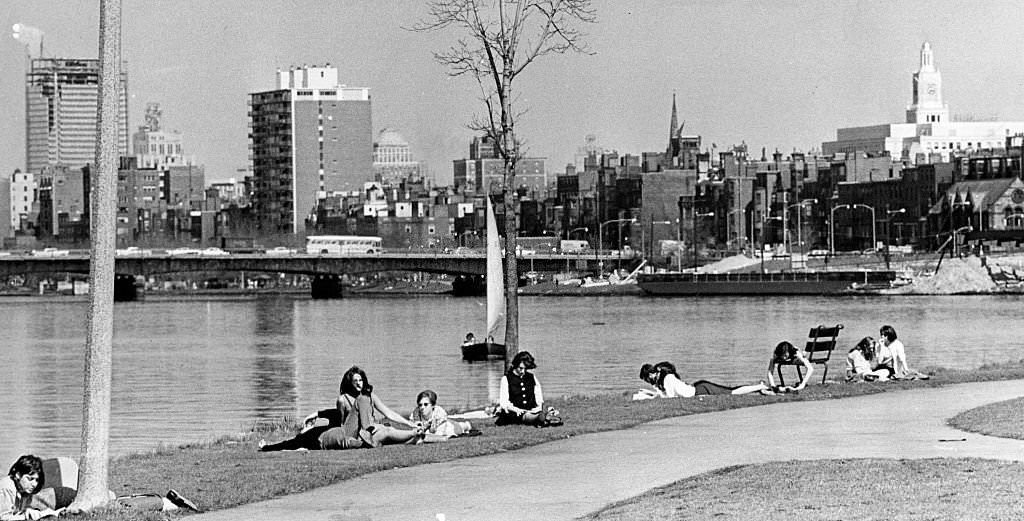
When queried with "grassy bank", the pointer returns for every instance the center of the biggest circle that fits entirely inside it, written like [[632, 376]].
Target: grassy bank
[[888, 489], [229, 471]]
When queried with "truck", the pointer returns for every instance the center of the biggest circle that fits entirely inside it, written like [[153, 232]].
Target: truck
[[573, 246], [240, 245]]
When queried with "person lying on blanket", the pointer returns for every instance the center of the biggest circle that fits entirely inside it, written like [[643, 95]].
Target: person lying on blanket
[[668, 384]]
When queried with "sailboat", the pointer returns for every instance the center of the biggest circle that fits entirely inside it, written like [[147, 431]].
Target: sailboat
[[495, 297]]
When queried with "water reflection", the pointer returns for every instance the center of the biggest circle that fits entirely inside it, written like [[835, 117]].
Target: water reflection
[[273, 375]]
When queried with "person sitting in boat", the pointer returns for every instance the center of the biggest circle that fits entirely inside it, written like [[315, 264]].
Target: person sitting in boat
[[470, 339], [867, 362], [434, 419], [787, 354], [353, 423], [668, 384], [888, 338], [520, 398]]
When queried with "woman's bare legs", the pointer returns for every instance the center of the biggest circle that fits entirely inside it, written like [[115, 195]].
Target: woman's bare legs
[[747, 389], [389, 435]]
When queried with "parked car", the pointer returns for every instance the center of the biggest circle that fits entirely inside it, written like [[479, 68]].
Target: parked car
[[281, 250], [183, 251], [132, 251], [50, 252], [213, 252]]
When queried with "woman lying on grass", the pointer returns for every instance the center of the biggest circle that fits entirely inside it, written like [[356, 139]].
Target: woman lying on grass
[[667, 384], [353, 423]]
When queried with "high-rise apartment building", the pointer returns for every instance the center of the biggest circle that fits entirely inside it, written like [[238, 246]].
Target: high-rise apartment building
[[309, 137], [61, 98]]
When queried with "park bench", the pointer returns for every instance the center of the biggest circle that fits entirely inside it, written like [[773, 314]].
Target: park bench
[[821, 341]]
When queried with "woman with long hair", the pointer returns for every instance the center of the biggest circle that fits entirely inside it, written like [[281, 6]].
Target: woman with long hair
[[353, 423]]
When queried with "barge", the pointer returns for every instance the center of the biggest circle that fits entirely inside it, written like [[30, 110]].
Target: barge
[[779, 283]]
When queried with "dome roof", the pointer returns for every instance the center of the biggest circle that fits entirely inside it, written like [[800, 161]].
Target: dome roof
[[391, 138]]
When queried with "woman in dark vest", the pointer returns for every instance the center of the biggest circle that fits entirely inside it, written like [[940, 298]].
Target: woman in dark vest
[[520, 399]]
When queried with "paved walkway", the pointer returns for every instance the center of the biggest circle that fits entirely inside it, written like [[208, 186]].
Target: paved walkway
[[568, 478]]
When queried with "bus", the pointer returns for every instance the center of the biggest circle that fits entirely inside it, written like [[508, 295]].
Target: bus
[[343, 244]]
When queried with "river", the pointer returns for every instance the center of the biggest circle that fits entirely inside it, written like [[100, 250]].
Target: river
[[195, 369]]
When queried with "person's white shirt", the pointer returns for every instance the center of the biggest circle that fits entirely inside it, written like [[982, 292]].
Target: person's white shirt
[[674, 387]]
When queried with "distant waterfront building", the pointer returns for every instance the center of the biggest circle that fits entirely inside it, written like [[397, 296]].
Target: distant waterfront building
[[484, 171], [22, 196], [928, 136], [63, 204], [6, 230], [61, 97], [154, 147], [392, 159], [308, 137]]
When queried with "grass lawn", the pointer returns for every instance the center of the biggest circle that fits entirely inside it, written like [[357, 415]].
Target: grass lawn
[[1003, 419], [932, 489], [229, 471]]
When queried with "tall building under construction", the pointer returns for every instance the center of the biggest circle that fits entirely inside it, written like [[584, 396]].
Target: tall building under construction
[[61, 98]]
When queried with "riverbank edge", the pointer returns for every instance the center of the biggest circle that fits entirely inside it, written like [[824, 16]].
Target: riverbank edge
[[236, 454]]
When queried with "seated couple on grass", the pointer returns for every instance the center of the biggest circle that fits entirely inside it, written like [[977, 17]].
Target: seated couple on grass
[[354, 424], [880, 360], [667, 383]]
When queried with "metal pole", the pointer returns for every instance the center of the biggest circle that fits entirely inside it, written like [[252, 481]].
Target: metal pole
[[679, 242]]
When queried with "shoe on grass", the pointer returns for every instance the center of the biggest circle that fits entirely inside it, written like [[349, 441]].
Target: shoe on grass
[[181, 501]]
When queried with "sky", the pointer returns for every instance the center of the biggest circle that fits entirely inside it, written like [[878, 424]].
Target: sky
[[780, 75]]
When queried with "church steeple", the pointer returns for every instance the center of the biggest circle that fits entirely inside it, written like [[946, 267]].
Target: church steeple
[[673, 127]]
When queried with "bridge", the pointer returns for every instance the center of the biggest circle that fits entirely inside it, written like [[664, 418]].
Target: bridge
[[325, 270]]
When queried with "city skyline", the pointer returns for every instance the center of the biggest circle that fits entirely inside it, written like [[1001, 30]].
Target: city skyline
[[782, 75]]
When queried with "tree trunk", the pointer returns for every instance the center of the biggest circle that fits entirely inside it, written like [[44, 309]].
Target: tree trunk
[[511, 156], [93, 469]]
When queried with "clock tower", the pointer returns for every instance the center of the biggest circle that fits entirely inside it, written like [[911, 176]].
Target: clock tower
[[927, 105]]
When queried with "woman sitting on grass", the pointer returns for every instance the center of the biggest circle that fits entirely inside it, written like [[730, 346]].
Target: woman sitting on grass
[[787, 354], [868, 361], [668, 384], [434, 419], [353, 423], [520, 399], [887, 336]]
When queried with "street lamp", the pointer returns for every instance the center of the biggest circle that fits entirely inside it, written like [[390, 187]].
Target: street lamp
[[956, 251], [652, 233], [600, 240], [695, 217], [889, 214], [728, 218], [799, 227], [568, 234], [832, 224]]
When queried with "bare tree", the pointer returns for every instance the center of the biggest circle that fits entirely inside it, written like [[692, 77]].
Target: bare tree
[[497, 40], [92, 479]]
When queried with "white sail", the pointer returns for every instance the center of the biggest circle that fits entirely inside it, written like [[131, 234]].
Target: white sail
[[495, 278]]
